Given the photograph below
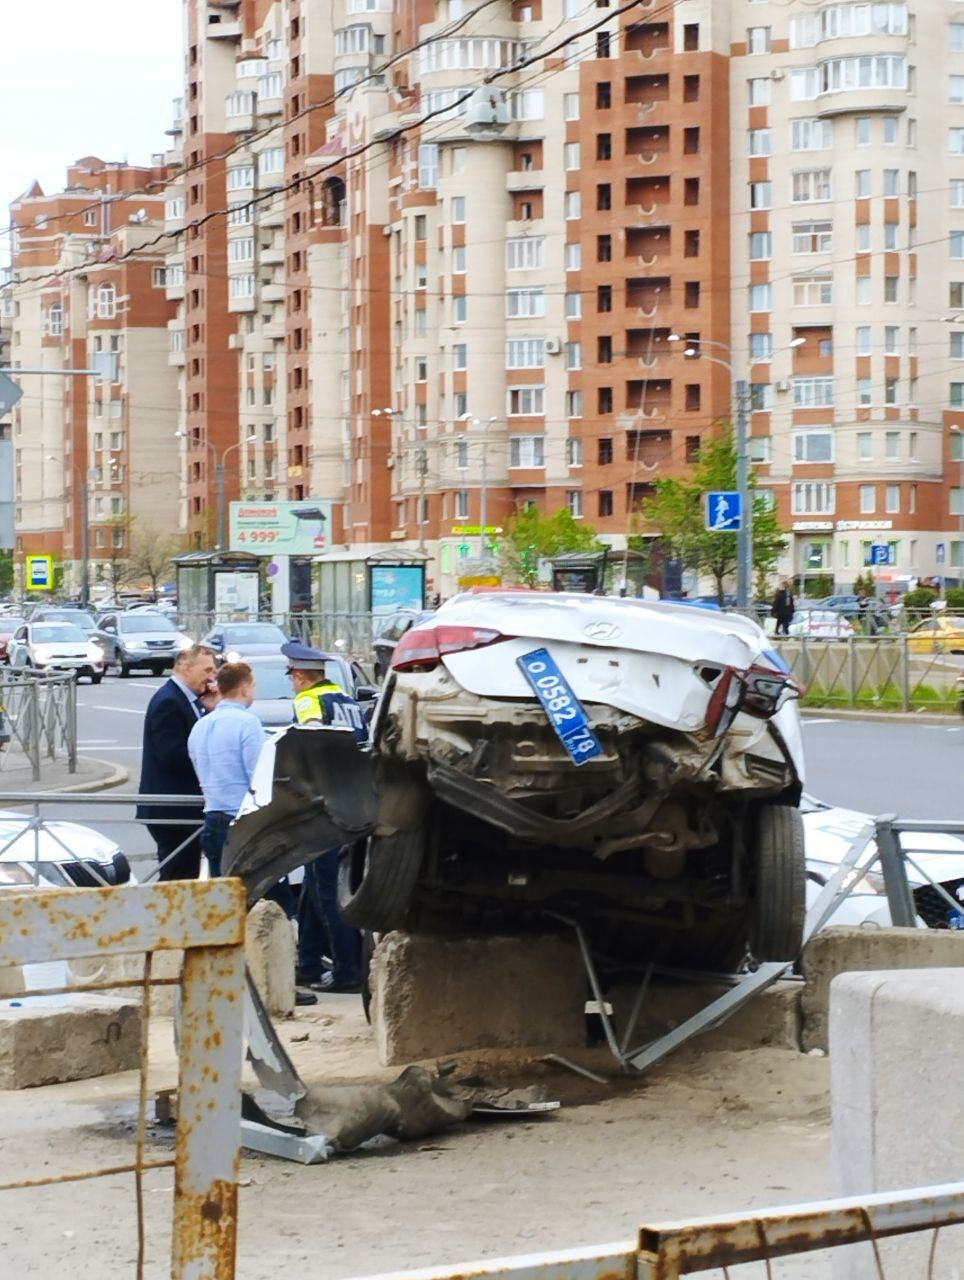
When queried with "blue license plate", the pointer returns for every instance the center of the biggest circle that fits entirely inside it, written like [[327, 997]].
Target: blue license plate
[[561, 705]]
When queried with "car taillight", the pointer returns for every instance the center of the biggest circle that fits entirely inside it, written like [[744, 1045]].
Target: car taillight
[[758, 691], [422, 648]]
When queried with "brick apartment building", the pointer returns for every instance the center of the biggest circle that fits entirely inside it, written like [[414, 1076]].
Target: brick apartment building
[[72, 300], [383, 303]]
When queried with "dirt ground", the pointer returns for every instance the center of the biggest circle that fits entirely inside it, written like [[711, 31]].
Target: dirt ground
[[712, 1130]]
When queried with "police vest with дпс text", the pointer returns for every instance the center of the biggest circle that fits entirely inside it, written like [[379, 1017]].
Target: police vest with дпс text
[[331, 705]]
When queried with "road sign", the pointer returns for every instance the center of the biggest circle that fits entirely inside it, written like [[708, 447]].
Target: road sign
[[724, 511], [941, 553], [273, 528], [39, 573], [10, 393], [880, 553]]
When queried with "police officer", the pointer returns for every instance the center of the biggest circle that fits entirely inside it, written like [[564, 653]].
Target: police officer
[[319, 700]]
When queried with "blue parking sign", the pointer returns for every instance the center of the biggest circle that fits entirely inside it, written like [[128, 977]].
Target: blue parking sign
[[724, 511], [880, 553]]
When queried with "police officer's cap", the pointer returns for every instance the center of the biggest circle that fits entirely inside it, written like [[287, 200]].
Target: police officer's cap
[[304, 657]]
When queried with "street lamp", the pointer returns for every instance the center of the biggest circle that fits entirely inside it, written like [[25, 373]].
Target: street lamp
[[219, 458], [421, 464], [958, 431], [484, 490], [740, 391]]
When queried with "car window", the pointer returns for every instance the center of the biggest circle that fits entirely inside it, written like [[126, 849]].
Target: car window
[[254, 633], [56, 633], [11, 624], [270, 681], [21, 634], [145, 622]]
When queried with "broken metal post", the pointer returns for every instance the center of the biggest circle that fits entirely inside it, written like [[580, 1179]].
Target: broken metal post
[[899, 896]]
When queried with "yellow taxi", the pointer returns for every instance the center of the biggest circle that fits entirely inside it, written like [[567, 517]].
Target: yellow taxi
[[937, 635]]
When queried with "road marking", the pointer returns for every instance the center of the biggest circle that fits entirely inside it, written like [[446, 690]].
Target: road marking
[[825, 720], [97, 742], [99, 748], [127, 711]]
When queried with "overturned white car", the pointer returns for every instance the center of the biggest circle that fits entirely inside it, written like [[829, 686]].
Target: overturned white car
[[634, 766]]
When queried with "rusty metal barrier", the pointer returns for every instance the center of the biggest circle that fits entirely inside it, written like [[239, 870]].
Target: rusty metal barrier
[[666, 1251], [206, 919]]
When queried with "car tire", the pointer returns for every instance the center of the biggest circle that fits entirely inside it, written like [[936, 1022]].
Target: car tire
[[778, 906], [96, 679], [124, 669], [377, 879]]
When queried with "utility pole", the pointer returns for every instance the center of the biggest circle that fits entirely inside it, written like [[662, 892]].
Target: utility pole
[[744, 537], [219, 500], [84, 544], [484, 501], [421, 463]]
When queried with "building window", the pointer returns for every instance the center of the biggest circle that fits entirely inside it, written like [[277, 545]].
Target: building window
[[458, 210], [526, 302], [525, 353], [812, 291], [574, 503], [462, 504], [890, 288], [605, 502], [810, 186], [570, 106], [811, 134], [864, 392], [761, 195], [812, 497], [760, 297], [868, 499], [574, 355], [891, 182], [815, 445], [271, 160], [573, 452], [573, 306], [891, 444], [571, 156], [804, 84], [812, 393], [573, 404], [760, 91], [812, 237], [760, 245], [865, 446], [759, 142], [863, 293], [462, 455], [527, 252], [525, 402], [428, 165], [460, 356], [761, 397], [572, 205], [526, 451], [458, 266], [758, 40], [761, 346], [759, 448], [106, 302], [573, 256]]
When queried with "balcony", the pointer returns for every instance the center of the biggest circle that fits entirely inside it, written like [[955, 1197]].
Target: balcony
[[648, 39], [274, 329], [646, 296], [648, 346], [646, 145], [273, 292], [647, 90], [272, 256], [220, 26], [649, 397], [647, 244], [648, 448], [647, 194], [517, 180]]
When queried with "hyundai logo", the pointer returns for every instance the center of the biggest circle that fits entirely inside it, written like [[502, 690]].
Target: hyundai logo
[[602, 631]]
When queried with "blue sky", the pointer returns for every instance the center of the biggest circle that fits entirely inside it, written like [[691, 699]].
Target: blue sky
[[94, 78]]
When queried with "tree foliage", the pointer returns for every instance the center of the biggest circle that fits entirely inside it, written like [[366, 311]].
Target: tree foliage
[[532, 536], [677, 513], [151, 554]]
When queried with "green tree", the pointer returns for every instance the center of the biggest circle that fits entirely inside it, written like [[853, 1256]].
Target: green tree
[[531, 537], [677, 513], [6, 572]]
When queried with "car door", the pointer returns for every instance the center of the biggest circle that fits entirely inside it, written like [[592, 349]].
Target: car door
[[108, 634], [17, 645], [923, 638]]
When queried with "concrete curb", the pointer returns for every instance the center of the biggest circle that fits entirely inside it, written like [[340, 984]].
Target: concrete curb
[[948, 721]]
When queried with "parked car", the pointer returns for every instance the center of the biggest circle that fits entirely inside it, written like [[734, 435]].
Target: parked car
[[43, 856], [937, 635], [821, 624], [388, 630], [75, 617], [57, 646], [8, 625], [232, 641], [634, 766], [140, 638], [273, 691]]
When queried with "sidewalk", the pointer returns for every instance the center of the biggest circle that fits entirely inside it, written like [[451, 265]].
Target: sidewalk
[[91, 774], [947, 720]]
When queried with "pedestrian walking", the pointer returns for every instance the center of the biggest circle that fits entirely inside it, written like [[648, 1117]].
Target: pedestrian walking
[[783, 607], [224, 748], [320, 701], [166, 767]]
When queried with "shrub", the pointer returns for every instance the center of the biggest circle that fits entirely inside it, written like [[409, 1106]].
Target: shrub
[[954, 597], [921, 598]]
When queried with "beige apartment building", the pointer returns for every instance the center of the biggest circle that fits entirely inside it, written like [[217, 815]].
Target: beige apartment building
[[85, 290]]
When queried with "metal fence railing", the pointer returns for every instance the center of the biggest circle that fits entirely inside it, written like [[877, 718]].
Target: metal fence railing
[[38, 717], [343, 632], [207, 921], [883, 673]]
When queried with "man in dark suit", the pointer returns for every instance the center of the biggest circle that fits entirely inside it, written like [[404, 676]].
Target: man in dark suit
[[166, 767]]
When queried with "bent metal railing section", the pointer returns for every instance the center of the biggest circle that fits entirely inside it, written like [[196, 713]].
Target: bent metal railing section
[[206, 920]]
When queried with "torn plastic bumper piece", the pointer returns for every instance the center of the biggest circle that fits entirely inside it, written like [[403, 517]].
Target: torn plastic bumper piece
[[322, 796]]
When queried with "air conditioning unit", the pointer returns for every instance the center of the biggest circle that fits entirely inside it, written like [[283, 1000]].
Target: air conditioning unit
[[782, 385], [776, 73], [553, 346]]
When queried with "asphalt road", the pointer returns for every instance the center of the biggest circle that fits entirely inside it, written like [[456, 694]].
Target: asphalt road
[[909, 768]]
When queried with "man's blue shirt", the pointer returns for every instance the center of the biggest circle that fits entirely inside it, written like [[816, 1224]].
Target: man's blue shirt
[[224, 747]]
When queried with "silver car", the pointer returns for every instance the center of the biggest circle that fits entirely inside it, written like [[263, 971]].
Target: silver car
[[140, 639]]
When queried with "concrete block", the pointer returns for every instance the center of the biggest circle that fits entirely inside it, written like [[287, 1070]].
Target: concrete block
[[846, 950], [896, 1045], [126, 968], [770, 1019], [11, 981], [434, 995], [269, 948], [52, 1039]]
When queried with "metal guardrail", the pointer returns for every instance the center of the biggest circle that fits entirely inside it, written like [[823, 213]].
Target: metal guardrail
[[881, 672], [38, 713], [666, 1251], [207, 921], [894, 859]]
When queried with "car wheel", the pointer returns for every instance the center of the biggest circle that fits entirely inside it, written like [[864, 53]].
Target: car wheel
[[96, 679], [377, 878], [778, 905], [125, 668]]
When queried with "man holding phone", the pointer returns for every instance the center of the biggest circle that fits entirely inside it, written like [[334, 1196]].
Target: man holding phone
[[166, 767]]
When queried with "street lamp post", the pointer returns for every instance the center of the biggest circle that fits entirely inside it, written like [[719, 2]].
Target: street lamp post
[[740, 390], [421, 467], [219, 459], [484, 488]]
